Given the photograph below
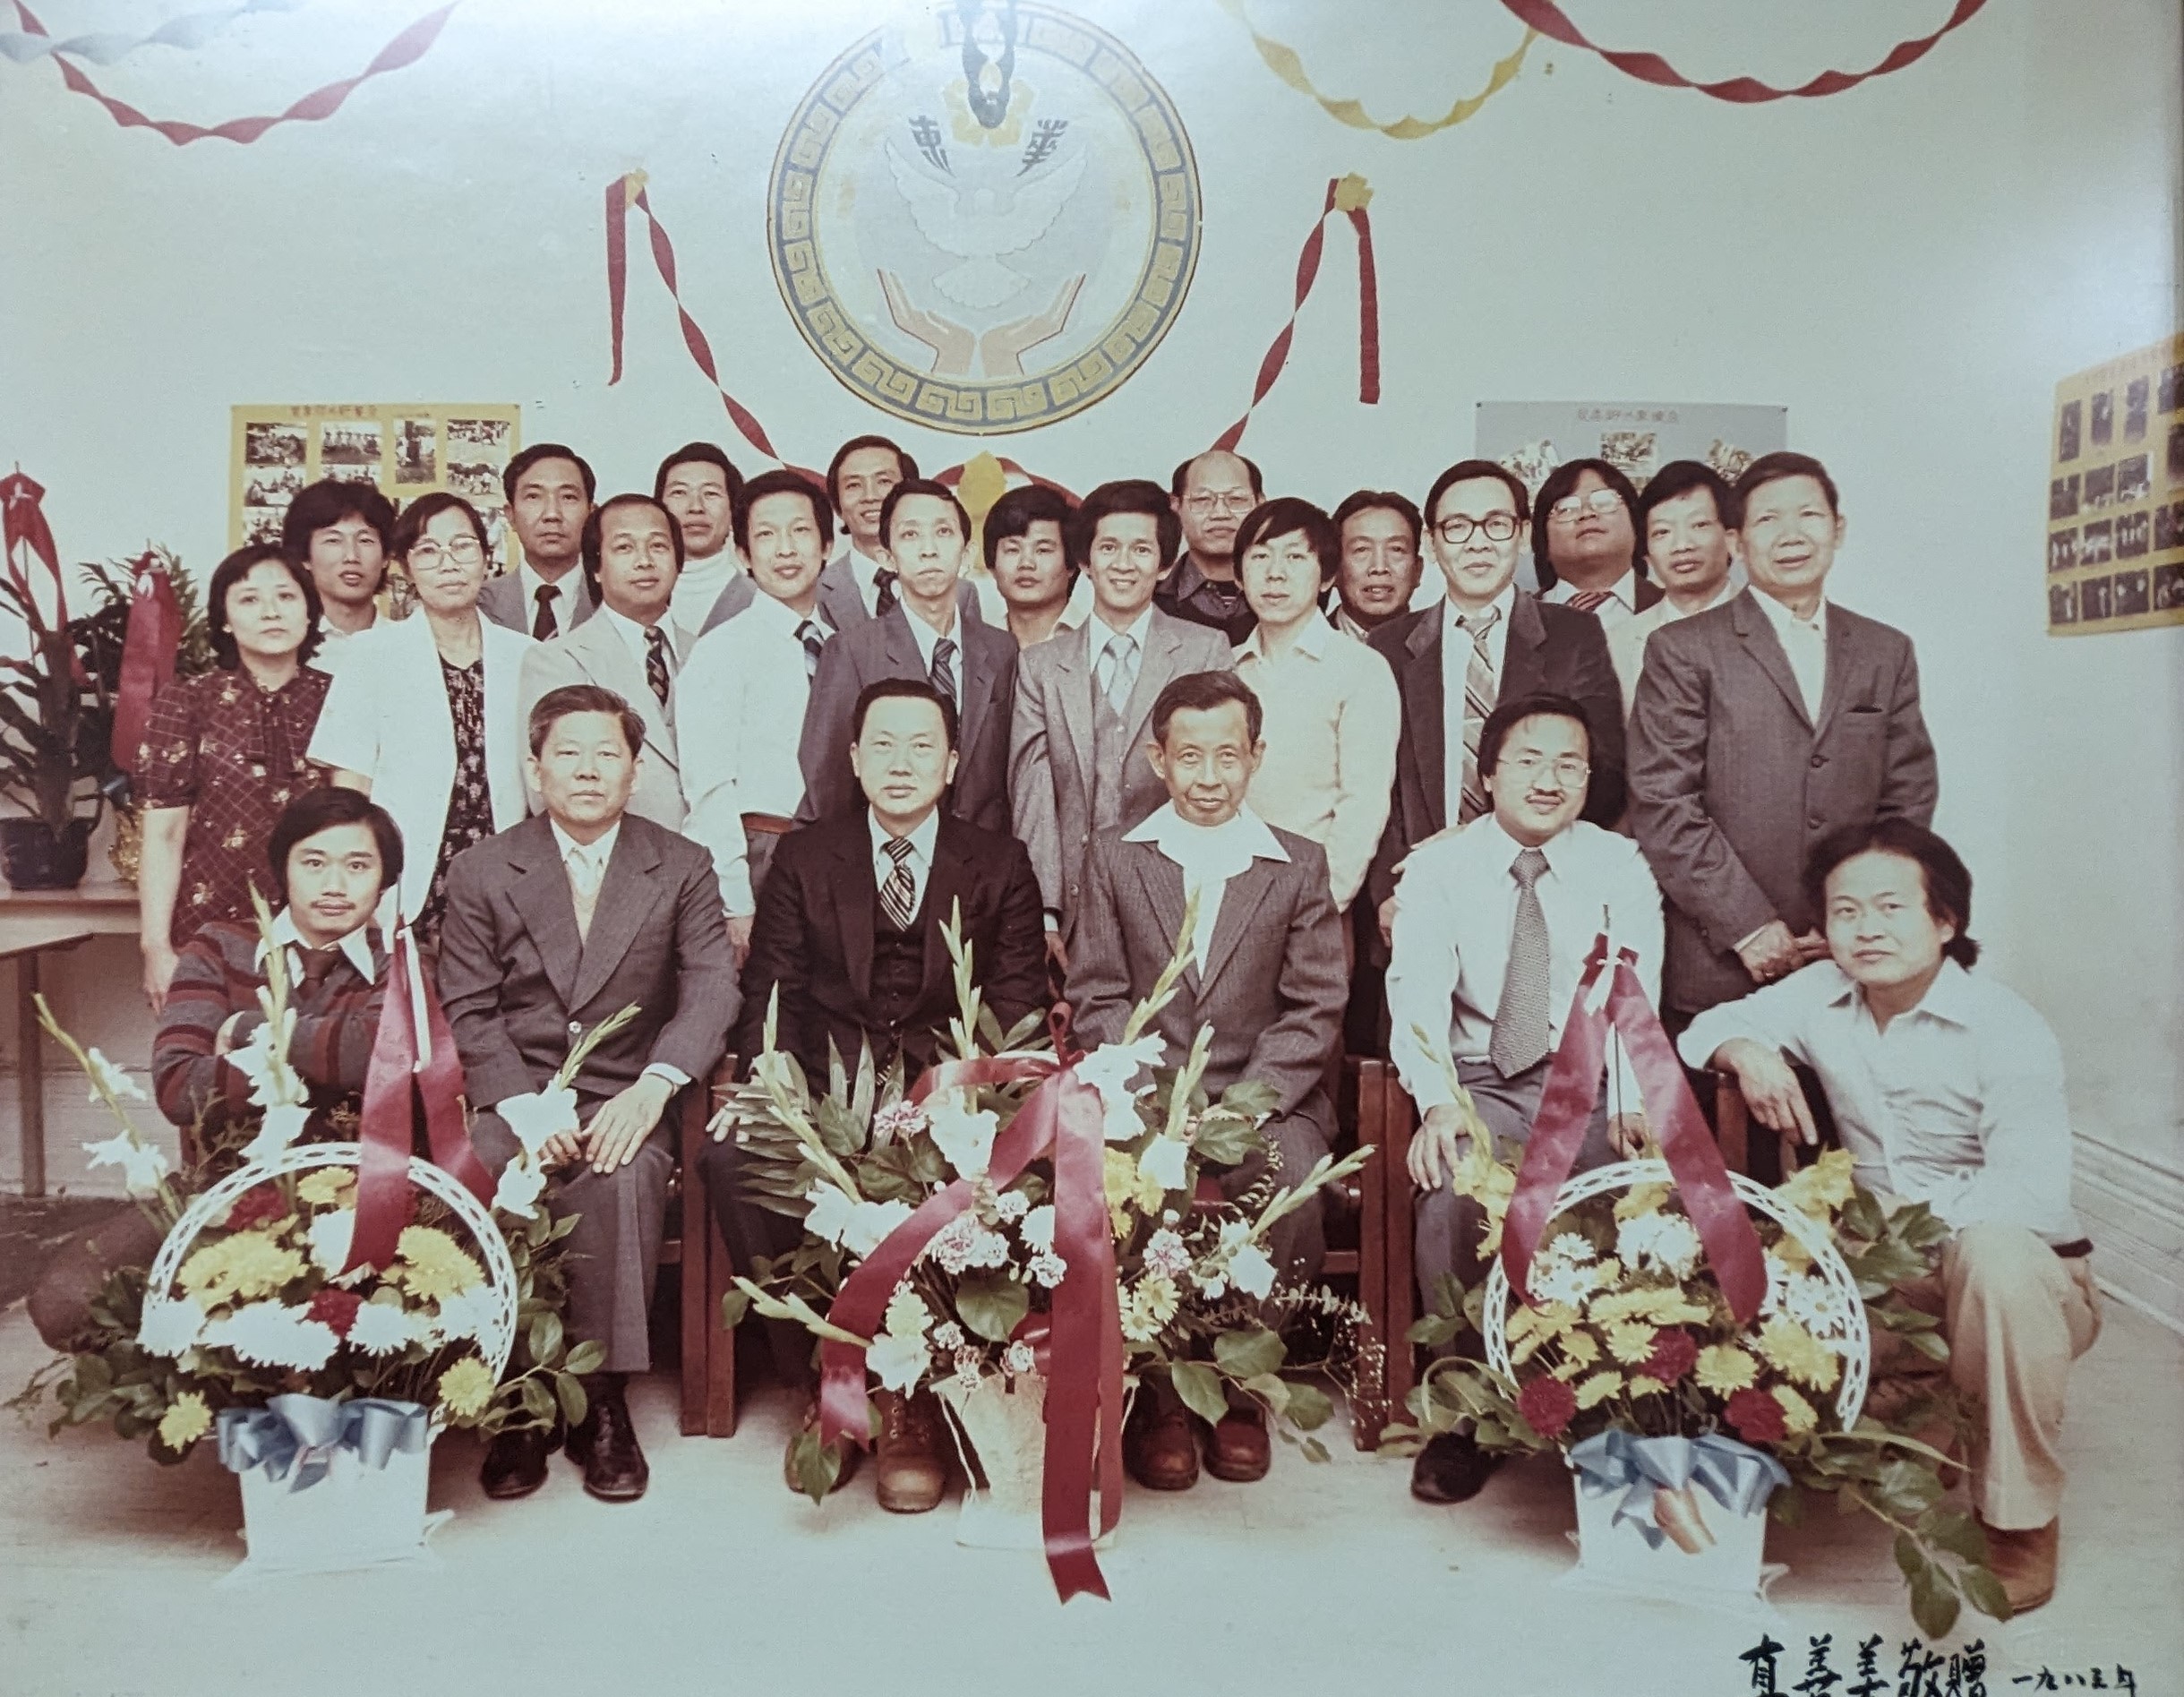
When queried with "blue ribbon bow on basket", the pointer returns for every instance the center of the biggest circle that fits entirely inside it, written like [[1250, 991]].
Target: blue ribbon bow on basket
[[1656, 1474], [294, 1438]]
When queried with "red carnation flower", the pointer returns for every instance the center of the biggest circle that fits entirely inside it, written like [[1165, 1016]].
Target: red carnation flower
[[335, 1309], [1548, 1404], [1675, 1352], [256, 1206], [1757, 1416]]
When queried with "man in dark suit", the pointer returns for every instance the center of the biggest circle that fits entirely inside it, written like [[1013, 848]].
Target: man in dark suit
[[549, 490], [1490, 641], [1759, 727], [1266, 974], [925, 536], [847, 952], [1586, 547], [553, 926]]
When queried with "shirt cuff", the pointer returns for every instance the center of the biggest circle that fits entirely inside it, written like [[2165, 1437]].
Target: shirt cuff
[[674, 1076], [1054, 923], [1745, 942]]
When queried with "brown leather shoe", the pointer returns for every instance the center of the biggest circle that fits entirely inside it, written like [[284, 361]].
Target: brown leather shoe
[[1240, 1450], [909, 1467], [1159, 1447], [851, 1454], [2024, 1562]]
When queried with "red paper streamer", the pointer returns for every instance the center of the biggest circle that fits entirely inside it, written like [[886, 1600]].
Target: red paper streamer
[[1694, 1161], [147, 656], [1551, 21], [320, 104]]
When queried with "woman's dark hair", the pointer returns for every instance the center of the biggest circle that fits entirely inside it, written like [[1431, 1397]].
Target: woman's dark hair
[[1563, 481], [905, 688], [1949, 881], [784, 482], [1200, 692], [530, 457], [592, 541], [697, 453], [231, 571], [1125, 495], [1015, 513], [1288, 516], [1380, 500], [422, 511], [1465, 471], [321, 809], [327, 503], [1680, 477], [857, 444], [1509, 715], [920, 486], [1772, 469]]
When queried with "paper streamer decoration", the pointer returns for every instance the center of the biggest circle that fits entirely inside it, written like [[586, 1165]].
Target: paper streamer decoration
[[1285, 63], [1549, 19], [318, 105], [189, 32], [1349, 195]]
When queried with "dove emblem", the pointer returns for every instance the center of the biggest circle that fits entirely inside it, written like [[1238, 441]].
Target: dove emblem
[[978, 224]]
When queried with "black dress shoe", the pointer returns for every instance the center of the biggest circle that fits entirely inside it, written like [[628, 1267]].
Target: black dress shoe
[[515, 1463], [1451, 1468], [606, 1446]]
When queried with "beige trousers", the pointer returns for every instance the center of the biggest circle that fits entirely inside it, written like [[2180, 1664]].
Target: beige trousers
[[2015, 1314]]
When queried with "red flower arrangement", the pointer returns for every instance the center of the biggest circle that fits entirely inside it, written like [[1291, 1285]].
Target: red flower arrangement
[[1757, 1416], [335, 1309], [1547, 1405], [256, 1206], [1675, 1352]]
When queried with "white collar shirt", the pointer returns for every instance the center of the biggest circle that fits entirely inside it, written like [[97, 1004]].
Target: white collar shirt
[[582, 859], [1620, 607], [928, 639], [1457, 646], [1209, 855], [917, 863], [865, 570], [566, 593], [355, 945], [1804, 643], [1959, 1104], [635, 638]]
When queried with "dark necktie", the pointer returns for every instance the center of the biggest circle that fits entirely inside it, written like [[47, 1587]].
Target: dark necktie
[[1520, 1039], [1590, 600], [944, 667], [655, 661], [813, 635], [317, 964], [884, 580], [543, 627], [899, 894]]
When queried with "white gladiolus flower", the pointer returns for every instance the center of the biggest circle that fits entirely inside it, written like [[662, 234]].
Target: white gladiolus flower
[[170, 1326], [868, 1224], [272, 1335], [1667, 1241], [283, 1123], [1109, 1070], [522, 1182], [112, 1080], [907, 1314], [144, 1165], [1038, 1227], [380, 1328], [534, 1119], [966, 1139], [330, 1233], [831, 1208], [1250, 1271], [898, 1362], [467, 1313], [1163, 1162]]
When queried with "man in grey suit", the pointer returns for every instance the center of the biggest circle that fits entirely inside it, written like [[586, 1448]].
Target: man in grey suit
[[1266, 974], [1761, 726], [553, 926], [1083, 698], [549, 490], [925, 533], [632, 552]]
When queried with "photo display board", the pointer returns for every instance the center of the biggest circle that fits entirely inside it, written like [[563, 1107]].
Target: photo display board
[[2115, 538]]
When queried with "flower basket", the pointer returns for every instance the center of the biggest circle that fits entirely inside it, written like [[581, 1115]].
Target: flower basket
[[1000, 1432]]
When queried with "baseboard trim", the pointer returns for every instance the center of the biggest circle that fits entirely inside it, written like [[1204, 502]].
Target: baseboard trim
[[2133, 1207]]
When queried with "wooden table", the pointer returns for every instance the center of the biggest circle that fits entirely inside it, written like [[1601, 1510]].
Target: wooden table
[[34, 923]]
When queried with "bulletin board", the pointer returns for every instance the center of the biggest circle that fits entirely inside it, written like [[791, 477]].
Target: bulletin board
[[2115, 534]]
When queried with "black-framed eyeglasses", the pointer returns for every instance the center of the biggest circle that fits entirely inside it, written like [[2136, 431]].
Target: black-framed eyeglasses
[[1499, 526], [464, 551]]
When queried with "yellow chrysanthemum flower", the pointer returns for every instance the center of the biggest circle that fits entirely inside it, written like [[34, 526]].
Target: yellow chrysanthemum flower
[[1821, 1188], [186, 1420], [1791, 1253], [1549, 1320], [1788, 1348], [1149, 1305], [1723, 1368], [1662, 1305], [1630, 1341], [1127, 1190], [324, 1187], [1797, 1414], [1580, 1347], [1598, 1388], [466, 1387], [244, 1268], [1643, 1384], [432, 1265], [1641, 1199], [1487, 1182]]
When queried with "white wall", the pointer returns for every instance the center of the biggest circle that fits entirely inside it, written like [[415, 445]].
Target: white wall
[[1909, 268]]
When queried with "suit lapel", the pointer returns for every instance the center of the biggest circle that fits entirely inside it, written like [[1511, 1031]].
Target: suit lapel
[[1523, 670], [981, 677], [1241, 900], [1161, 879], [1424, 705], [1073, 662], [899, 646], [1155, 667], [856, 899], [1836, 677], [627, 896], [600, 649], [1757, 632], [541, 896], [838, 598]]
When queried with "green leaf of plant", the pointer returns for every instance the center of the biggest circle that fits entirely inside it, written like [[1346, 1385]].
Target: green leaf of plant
[[576, 1403], [1959, 1534], [1984, 1591], [546, 1339], [1248, 1353], [991, 1303], [1310, 1407], [1934, 1603], [586, 1358], [1786, 1507], [1907, 1489], [1274, 1389], [1435, 1329], [1930, 1344], [817, 1466], [1200, 1387], [1315, 1450], [1448, 1295], [1251, 1097], [1225, 1142], [1909, 1557], [735, 1302], [537, 1400]]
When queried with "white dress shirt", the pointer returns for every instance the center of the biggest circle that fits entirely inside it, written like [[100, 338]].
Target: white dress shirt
[[917, 863], [1620, 607], [1805, 642], [353, 945], [588, 861], [699, 585], [1456, 649], [332, 645], [1455, 910], [640, 647], [993, 608], [566, 594], [1210, 855], [1959, 1104], [1100, 637], [1626, 642], [740, 719], [928, 639], [865, 570], [1332, 717]]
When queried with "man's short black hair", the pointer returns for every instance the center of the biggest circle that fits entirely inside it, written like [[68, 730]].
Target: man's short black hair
[[1466, 471], [1200, 692], [330, 502], [857, 444], [1182, 472], [531, 456], [1382, 500], [422, 511], [902, 689], [1506, 717], [782, 481], [1680, 477], [920, 486], [1561, 482], [556, 705], [1015, 513], [1949, 880], [1288, 516], [697, 453], [591, 542], [1772, 469], [231, 571], [1125, 495], [321, 809]]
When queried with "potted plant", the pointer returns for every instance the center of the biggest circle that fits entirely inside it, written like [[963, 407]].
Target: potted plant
[[55, 723]]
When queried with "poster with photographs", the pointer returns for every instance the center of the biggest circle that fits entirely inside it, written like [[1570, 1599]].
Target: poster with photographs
[[1637, 438], [2115, 545], [407, 450]]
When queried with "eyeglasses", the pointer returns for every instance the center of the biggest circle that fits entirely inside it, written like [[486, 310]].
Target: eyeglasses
[[1499, 526], [1568, 769], [1236, 501], [1566, 510], [464, 551]]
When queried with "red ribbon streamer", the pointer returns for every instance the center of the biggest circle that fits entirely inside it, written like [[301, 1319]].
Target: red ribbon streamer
[[622, 193], [1551, 20], [147, 656], [1368, 315], [1062, 1118], [404, 50], [385, 1128], [22, 525], [1565, 1111]]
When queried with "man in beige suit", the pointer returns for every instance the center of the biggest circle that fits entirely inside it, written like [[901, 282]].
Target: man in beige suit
[[1083, 698]]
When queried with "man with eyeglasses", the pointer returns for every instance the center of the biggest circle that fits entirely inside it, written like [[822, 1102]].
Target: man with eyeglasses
[[1489, 641], [1586, 544], [1492, 928], [1212, 493]]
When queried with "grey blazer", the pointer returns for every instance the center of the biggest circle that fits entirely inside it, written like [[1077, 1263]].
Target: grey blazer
[[1051, 744], [518, 984], [596, 652], [501, 601], [840, 604], [884, 647], [1732, 786], [1273, 983]]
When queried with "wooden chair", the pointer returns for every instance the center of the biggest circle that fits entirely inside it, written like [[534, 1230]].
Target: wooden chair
[[1387, 1120], [708, 1349]]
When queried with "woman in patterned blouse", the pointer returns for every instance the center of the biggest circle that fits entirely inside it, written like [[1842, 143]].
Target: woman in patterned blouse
[[223, 753]]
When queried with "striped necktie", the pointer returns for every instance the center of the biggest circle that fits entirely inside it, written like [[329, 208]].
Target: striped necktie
[[813, 635], [944, 667], [1478, 693], [1119, 664], [655, 662], [1519, 1040], [1590, 600], [899, 894]]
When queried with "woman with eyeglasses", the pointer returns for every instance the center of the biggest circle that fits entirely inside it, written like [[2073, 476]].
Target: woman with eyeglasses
[[223, 752], [423, 716]]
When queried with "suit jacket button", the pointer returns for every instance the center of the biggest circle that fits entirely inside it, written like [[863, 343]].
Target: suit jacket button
[[1814, 823], [1819, 760], [576, 1028]]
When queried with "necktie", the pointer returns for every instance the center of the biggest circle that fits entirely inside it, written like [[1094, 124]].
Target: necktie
[[1590, 600], [813, 635], [1119, 670], [316, 963], [655, 661], [585, 876], [884, 581], [543, 627], [1478, 694], [944, 667], [1519, 1038], [899, 894]]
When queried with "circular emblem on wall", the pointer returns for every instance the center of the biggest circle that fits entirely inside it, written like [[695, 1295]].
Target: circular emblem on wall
[[986, 221]]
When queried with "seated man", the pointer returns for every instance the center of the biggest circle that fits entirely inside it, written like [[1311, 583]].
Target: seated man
[[1946, 1088], [1491, 926], [1267, 978], [332, 851], [521, 975], [848, 950]]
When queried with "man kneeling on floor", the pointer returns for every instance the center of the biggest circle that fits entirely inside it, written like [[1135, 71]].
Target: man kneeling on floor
[[1946, 1088], [553, 926], [1266, 974]]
